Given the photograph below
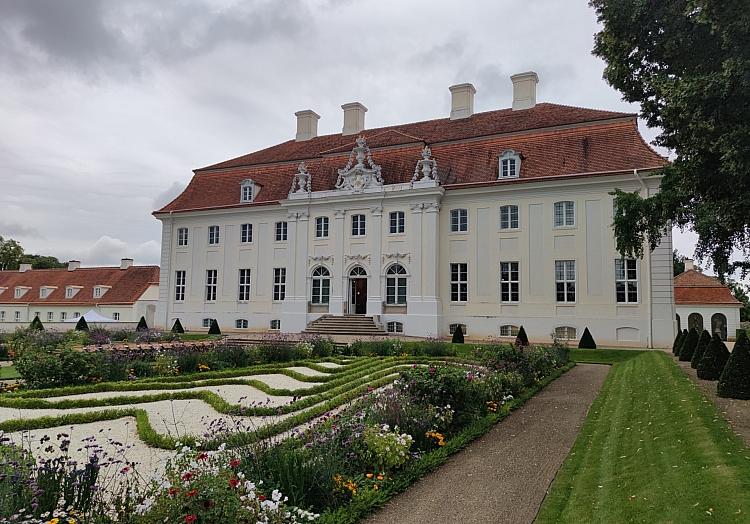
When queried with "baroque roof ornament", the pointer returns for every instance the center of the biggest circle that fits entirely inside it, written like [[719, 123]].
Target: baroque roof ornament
[[363, 174], [426, 169], [302, 181]]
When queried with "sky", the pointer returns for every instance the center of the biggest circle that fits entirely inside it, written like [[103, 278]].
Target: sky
[[106, 107]]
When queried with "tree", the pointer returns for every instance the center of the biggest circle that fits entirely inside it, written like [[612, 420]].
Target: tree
[[587, 341], [678, 263], [10, 253], [688, 346], [714, 359], [522, 340], [82, 325], [734, 381], [177, 327], [36, 324], [42, 262], [142, 326], [700, 349], [458, 335], [741, 293], [214, 329], [687, 63]]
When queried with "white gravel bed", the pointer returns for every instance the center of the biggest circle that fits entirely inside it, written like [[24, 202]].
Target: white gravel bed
[[329, 364], [307, 371]]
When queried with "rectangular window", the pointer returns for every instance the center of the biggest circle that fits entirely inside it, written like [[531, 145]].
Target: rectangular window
[[508, 217], [279, 283], [212, 280], [459, 220], [246, 233], [626, 281], [206, 322], [565, 214], [565, 332], [459, 282], [394, 327], [76, 314], [97, 292], [395, 291], [453, 327], [18, 316], [182, 237], [69, 292], [213, 235], [247, 193], [2, 316], [508, 330], [115, 316], [275, 325], [179, 285], [50, 316], [321, 227], [397, 222], [509, 282], [63, 316], [281, 231], [244, 287], [241, 323], [358, 225], [565, 280]]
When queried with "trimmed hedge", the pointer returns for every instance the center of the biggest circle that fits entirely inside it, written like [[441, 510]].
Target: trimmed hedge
[[36, 324], [142, 326], [214, 329], [734, 381], [177, 327], [714, 359], [82, 325], [688, 347], [458, 335], [587, 341], [522, 339], [700, 349], [678, 340]]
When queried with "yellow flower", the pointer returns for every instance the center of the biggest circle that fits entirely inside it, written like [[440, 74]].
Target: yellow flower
[[53, 521], [369, 475], [380, 477]]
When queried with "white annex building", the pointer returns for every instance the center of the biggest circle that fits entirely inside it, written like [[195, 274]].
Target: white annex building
[[488, 220]]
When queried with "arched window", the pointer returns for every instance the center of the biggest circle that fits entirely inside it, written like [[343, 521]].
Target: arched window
[[719, 325], [508, 330], [395, 285], [321, 285], [247, 190], [395, 327], [695, 320], [565, 332], [357, 272], [679, 324], [509, 165]]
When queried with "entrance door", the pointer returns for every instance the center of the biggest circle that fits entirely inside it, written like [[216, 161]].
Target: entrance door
[[358, 296]]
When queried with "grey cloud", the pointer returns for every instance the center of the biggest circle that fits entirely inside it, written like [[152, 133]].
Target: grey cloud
[[169, 194], [12, 229]]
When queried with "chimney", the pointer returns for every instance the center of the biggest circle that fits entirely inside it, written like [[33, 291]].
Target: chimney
[[689, 264], [73, 265], [23, 268], [307, 125], [524, 90], [354, 118], [462, 101], [125, 263]]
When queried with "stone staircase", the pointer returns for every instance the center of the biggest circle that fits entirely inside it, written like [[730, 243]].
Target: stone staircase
[[345, 325]]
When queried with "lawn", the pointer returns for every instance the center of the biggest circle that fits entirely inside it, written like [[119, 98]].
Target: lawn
[[653, 449], [8, 372]]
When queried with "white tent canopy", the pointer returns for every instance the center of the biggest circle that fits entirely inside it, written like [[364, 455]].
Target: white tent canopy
[[92, 317]]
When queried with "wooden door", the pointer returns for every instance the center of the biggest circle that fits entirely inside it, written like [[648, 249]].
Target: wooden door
[[359, 296]]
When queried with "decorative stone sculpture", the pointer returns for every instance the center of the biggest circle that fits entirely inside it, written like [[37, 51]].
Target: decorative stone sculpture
[[362, 175], [425, 172], [301, 184]]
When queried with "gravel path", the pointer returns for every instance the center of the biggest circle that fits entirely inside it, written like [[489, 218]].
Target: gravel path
[[504, 476]]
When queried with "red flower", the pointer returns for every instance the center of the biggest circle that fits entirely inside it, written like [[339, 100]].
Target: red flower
[[187, 476], [261, 498], [234, 482], [173, 491], [189, 519], [191, 493], [202, 456], [234, 463], [125, 470]]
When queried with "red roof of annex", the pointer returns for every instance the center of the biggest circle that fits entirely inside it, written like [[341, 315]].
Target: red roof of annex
[[693, 287]]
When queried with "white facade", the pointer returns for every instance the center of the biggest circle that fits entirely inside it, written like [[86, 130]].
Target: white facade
[[708, 320]]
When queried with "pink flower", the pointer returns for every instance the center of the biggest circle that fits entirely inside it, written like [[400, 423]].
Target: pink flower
[[189, 519]]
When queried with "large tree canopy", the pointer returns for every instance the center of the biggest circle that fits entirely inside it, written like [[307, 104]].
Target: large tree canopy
[[687, 63], [12, 256]]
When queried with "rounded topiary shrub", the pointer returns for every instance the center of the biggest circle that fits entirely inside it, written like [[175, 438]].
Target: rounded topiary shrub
[[177, 327], [521, 339], [678, 340], [734, 381], [714, 359], [703, 342], [458, 335], [142, 326], [688, 347], [214, 329], [587, 341], [82, 325], [36, 324]]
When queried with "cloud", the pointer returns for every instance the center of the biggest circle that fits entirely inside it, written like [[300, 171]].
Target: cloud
[[11, 229], [169, 194]]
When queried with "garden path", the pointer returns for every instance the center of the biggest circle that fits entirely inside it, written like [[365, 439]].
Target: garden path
[[504, 476]]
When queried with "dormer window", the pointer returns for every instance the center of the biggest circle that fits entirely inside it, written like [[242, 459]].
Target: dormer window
[[100, 290], [70, 291], [21, 291], [3, 290], [510, 165], [45, 291], [247, 191]]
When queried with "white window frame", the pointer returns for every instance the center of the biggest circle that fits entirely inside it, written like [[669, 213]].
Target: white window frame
[[624, 277], [563, 278], [182, 237], [214, 235], [246, 233], [206, 322], [180, 285], [564, 214], [396, 285], [115, 316], [281, 231], [508, 284], [459, 220], [279, 284], [241, 323], [509, 330], [247, 191], [320, 290], [509, 165], [244, 286], [63, 316], [566, 335], [2, 316], [459, 280], [396, 223], [50, 316], [70, 292], [212, 284], [321, 227], [452, 328], [359, 225], [76, 314], [275, 325], [507, 215], [393, 326], [17, 316]]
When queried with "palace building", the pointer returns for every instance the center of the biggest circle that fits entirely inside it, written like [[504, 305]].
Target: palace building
[[486, 220]]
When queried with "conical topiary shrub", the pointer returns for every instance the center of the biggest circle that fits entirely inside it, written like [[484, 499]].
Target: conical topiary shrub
[[214, 329], [700, 349], [521, 339], [82, 325], [177, 327], [587, 341], [458, 335], [142, 326], [36, 324], [734, 381], [714, 359], [688, 348], [678, 340]]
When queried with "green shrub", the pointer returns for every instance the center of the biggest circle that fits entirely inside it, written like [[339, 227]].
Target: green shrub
[[587, 341], [214, 329], [521, 339], [322, 346], [458, 335], [700, 349], [47, 369], [82, 325], [236, 356], [688, 347], [714, 359], [677, 342], [188, 361], [281, 351], [142, 369], [734, 381], [177, 327], [36, 324]]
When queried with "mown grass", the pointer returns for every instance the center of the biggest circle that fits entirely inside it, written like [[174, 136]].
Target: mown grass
[[603, 356], [652, 449], [8, 372]]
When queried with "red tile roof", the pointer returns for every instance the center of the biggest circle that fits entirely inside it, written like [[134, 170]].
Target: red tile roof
[[693, 287], [553, 141], [127, 285]]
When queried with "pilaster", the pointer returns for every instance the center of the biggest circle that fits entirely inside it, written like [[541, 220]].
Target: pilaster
[[375, 284], [338, 280]]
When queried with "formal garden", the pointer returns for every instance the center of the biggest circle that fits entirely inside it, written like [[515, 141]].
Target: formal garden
[[278, 430]]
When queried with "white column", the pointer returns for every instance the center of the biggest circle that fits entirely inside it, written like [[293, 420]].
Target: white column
[[294, 310], [375, 285], [165, 281], [424, 308], [338, 279]]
